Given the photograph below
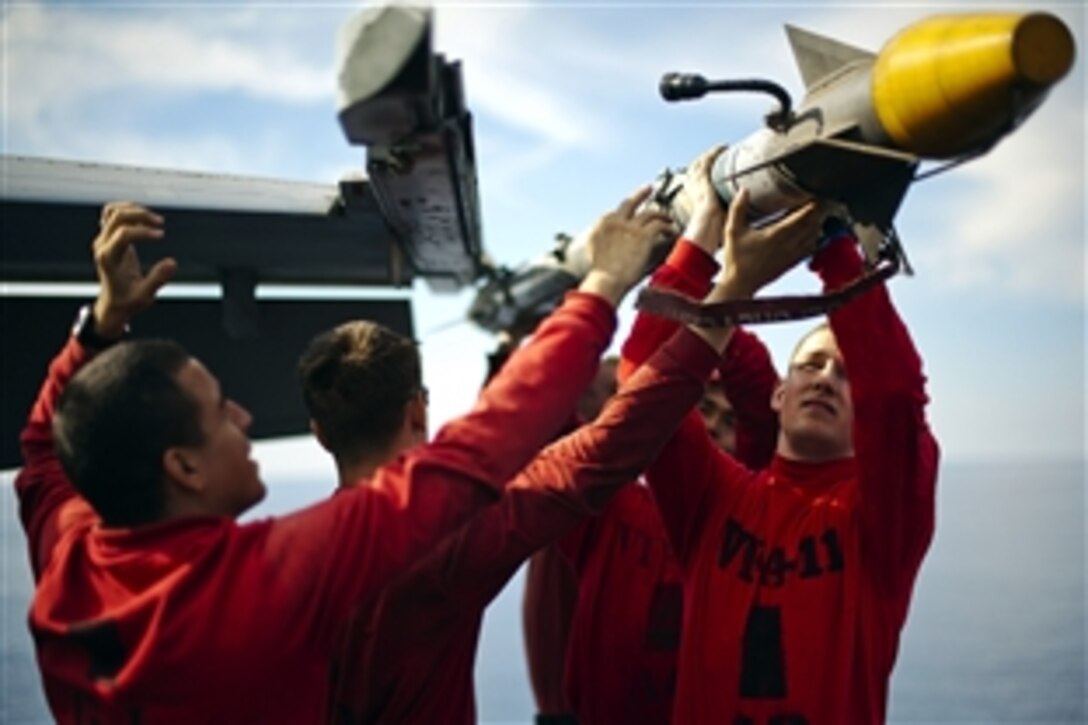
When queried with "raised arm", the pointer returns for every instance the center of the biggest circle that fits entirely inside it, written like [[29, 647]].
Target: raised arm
[[752, 259], [896, 452], [577, 475], [747, 373], [689, 268], [48, 504]]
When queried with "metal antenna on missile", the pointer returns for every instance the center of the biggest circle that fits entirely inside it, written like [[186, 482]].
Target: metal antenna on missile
[[689, 86]]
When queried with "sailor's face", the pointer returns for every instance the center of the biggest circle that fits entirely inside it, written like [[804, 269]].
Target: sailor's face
[[230, 479], [719, 417], [814, 403]]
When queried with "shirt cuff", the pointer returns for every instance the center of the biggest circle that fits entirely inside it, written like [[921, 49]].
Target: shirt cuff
[[691, 260]]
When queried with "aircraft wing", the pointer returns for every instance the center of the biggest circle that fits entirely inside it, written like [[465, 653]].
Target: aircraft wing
[[217, 225]]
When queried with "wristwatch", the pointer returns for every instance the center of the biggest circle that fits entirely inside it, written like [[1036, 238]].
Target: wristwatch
[[87, 335]]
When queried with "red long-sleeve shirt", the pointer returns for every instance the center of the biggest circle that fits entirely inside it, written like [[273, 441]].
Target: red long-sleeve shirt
[[547, 606], [625, 626], [797, 579], [200, 619], [409, 657]]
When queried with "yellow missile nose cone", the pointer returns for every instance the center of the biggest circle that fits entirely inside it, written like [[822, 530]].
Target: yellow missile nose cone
[[952, 84], [1042, 49]]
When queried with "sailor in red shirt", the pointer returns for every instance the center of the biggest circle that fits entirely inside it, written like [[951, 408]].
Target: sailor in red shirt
[[625, 633], [152, 603], [621, 658], [797, 579], [551, 591]]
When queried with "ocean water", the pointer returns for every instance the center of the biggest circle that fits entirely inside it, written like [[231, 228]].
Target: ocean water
[[996, 632]]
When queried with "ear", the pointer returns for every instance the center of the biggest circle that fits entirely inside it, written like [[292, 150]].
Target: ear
[[778, 396], [416, 417], [181, 467]]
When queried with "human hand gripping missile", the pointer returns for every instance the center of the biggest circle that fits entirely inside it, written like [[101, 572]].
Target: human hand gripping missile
[[945, 89]]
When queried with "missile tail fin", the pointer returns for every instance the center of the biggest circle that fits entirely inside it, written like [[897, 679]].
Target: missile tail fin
[[869, 180], [818, 56]]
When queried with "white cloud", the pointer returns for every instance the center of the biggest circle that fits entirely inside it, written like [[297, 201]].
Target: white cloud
[[573, 75], [507, 164], [62, 61], [502, 80], [1013, 220], [135, 84], [535, 110], [58, 57]]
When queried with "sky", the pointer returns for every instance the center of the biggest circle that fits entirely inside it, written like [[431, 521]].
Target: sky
[[567, 122]]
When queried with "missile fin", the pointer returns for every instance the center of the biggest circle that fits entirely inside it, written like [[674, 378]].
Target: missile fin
[[871, 181], [818, 56]]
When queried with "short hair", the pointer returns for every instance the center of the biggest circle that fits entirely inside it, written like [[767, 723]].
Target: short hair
[[116, 418], [825, 325], [356, 380]]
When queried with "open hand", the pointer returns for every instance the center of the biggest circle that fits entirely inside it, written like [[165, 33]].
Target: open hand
[[125, 288], [704, 227], [620, 244], [753, 257]]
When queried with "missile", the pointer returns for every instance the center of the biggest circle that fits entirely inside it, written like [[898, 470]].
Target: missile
[[945, 89], [514, 301]]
